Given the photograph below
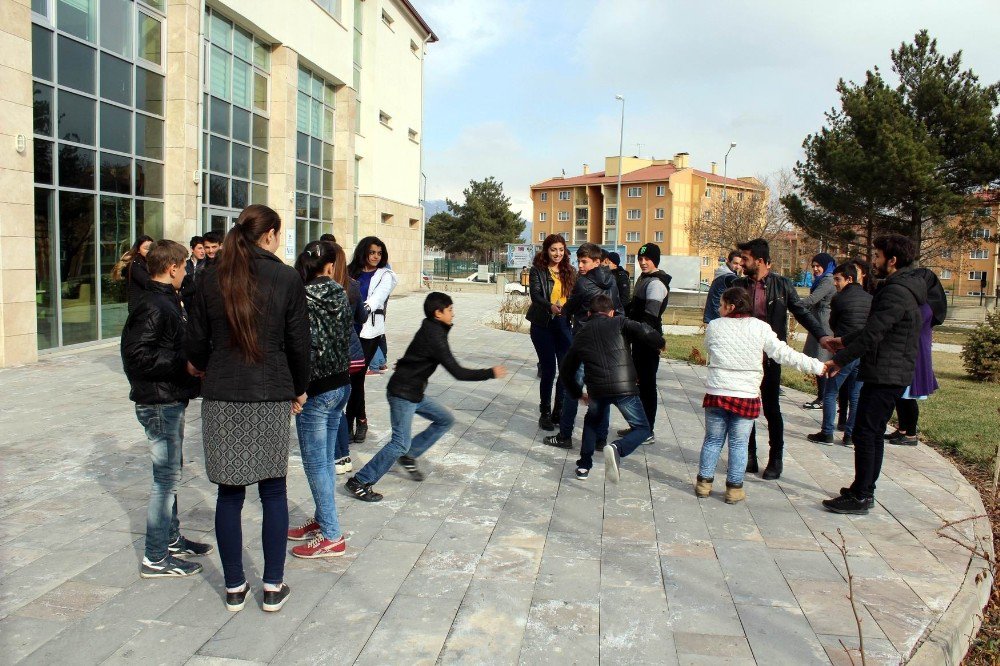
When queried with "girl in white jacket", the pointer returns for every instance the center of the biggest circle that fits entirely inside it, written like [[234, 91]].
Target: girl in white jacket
[[736, 343]]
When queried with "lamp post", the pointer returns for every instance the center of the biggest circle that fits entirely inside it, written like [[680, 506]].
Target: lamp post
[[618, 203], [725, 179]]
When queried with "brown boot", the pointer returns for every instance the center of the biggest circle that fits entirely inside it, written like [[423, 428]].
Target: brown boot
[[735, 493], [703, 487]]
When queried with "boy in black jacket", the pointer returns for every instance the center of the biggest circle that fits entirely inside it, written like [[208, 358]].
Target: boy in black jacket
[[405, 393], [162, 382], [602, 347]]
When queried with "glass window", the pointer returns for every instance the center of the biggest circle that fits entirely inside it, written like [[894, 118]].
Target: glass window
[[148, 91], [218, 152], [219, 73], [302, 112], [260, 165], [115, 239], [76, 267], [241, 125], [76, 167], [221, 31], [41, 52], [258, 194], [76, 118], [148, 136], [161, 5], [301, 176], [316, 154], [43, 109], [46, 281], [302, 147], [260, 131], [259, 92], [116, 79], [116, 26], [315, 180], [149, 218], [327, 156], [243, 45], [220, 116], [241, 192], [262, 56], [241, 161], [76, 65], [218, 191], [116, 173], [43, 162], [77, 17], [40, 7], [116, 128], [148, 31], [241, 84], [148, 179]]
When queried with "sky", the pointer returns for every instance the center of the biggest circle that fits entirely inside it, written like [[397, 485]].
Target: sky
[[522, 89]]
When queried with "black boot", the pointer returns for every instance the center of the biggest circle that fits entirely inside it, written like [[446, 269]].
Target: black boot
[[545, 418], [752, 467], [361, 431], [773, 469]]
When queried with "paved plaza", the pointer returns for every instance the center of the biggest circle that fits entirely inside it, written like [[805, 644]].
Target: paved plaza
[[501, 556]]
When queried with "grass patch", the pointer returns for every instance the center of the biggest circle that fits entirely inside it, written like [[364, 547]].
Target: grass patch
[[681, 316], [951, 335]]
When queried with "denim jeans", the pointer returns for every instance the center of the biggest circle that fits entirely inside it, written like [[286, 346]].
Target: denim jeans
[[721, 425], [598, 415], [273, 531], [164, 425], [401, 413], [318, 427], [848, 376], [343, 448], [568, 416], [551, 343]]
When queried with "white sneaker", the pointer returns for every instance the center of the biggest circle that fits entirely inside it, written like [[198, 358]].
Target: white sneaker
[[343, 465]]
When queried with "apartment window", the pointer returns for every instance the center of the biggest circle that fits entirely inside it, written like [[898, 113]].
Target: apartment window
[[331, 7], [541, 236], [708, 192], [979, 254], [707, 216], [661, 190], [412, 133], [630, 259], [973, 293], [611, 215], [632, 236], [564, 195], [634, 192], [387, 19], [658, 214], [564, 216], [543, 196], [982, 233], [313, 158], [542, 217], [706, 261], [633, 214], [977, 276], [945, 274], [739, 196], [385, 119], [946, 254], [658, 237], [982, 212]]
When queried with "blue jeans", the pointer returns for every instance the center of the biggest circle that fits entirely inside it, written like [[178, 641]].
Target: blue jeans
[[273, 530], [848, 376], [551, 343], [343, 448], [401, 413], [568, 416], [318, 427], [721, 425], [164, 425], [598, 415]]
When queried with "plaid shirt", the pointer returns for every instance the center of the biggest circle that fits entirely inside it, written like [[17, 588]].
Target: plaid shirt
[[748, 408]]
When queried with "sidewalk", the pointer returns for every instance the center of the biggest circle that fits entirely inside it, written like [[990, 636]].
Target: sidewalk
[[501, 556]]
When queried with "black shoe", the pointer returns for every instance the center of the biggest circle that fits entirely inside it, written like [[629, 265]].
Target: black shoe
[[624, 431], [410, 465], [772, 471], [273, 601], [752, 467], [363, 491], [235, 601], [601, 443], [360, 432], [847, 441], [582, 472], [897, 434], [849, 504], [820, 437], [187, 548], [905, 440], [558, 441], [168, 567], [841, 425], [847, 491], [545, 418]]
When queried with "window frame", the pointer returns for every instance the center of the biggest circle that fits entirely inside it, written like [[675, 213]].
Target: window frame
[[633, 188], [661, 190], [629, 214]]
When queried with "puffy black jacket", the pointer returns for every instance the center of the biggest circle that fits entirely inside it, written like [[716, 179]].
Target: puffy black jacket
[[152, 348], [283, 334], [782, 299], [643, 309], [593, 283], [192, 273], [937, 299], [428, 349], [624, 284], [138, 281], [602, 346], [887, 345], [849, 310]]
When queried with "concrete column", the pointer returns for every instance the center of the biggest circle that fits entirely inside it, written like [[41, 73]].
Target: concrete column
[[18, 343], [281, 146], [343, 167]]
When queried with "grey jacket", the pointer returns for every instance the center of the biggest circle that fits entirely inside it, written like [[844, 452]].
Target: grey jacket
[[818, 303]]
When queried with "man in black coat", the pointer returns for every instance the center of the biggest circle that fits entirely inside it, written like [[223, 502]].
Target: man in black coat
[[772, 297], [652, 291], [887, 347], [622, 279]]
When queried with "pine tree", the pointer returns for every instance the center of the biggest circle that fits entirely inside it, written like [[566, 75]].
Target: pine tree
[[483, 223]]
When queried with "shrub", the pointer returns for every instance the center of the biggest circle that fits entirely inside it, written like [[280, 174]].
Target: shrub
[[512, 310], [981, 354]]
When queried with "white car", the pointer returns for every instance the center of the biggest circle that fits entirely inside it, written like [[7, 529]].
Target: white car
[[515, 288], [475, 277]]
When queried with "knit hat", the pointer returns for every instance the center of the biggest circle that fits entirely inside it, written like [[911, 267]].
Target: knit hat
[[615, 258], [652, 252]]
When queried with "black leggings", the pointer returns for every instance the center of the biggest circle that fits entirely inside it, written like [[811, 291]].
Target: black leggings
[[356, 403], [273, 532], [908, 413]]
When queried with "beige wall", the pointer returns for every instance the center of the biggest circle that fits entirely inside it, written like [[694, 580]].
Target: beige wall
[[17, 232], [181, 122], [401, 234]]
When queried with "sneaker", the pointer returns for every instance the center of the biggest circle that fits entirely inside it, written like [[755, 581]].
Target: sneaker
[[343, 465], [168, 567], [582, 473], [848, 504], [847, 491], [649, 440], [815, 404], [612, 459], [410, 465], [362, 491], [320, 546], [305, 531], [558, 441], [601, 443], [820, 437], [275, 599], [896, 434], [187, 548], [847, 441], [235, 601], [545, 421], [905, 440], [360, 431], [702, 487]]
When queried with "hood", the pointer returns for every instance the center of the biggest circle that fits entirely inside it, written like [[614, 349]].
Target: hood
[[723, 270], [601, 276], [911, 280], [936, 297]]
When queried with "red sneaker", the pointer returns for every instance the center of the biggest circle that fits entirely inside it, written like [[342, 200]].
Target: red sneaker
[[320, 546], [305, 531]]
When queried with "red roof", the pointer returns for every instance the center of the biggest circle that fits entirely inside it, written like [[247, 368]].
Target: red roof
[[653, 173], [420, 19]]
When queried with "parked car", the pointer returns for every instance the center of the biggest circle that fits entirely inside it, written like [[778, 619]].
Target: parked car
[[476, 277], [515, 288]]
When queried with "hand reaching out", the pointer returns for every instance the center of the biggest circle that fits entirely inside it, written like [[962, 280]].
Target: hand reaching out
[[499, 372], [831, 369], [831, 344]]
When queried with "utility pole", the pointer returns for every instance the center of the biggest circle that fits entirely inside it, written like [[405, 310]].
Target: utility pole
[[618, 204]]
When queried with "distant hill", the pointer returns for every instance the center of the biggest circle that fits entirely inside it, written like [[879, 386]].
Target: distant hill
[[434, 206]]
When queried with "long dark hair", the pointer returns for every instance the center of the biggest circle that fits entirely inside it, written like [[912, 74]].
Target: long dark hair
[[124, 265], [314, 258], [360, 258], [739, 298], [238, 280], [566, 273]]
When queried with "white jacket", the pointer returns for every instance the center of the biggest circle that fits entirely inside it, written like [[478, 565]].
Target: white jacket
[[736, 346], [382, 284]]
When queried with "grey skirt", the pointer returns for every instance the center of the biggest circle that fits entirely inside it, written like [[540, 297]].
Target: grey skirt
[[245, 442]]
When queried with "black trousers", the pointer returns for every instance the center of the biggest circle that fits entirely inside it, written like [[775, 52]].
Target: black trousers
[[646, 361], [908, 413], [356, 403], [874, 409], [770, 405]]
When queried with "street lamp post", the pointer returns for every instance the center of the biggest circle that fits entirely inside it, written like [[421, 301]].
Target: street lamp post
[[725, 179], [618, 203]]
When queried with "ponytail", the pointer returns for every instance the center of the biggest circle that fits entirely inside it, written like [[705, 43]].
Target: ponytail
[[238, 279], [314, 258]]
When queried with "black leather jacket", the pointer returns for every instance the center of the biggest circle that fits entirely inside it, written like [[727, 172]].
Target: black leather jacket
[[137, 281], [603, 349], [152, 348], [428, 349], [540, 284], [283, 334], [782, 299], [624, 284], [596, 281], [849, 309]]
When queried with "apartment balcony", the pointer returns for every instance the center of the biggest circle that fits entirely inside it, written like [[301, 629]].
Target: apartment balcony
[[580, 235], [581, 198]]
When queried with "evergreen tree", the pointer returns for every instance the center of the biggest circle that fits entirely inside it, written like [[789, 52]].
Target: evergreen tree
[[483, 223]]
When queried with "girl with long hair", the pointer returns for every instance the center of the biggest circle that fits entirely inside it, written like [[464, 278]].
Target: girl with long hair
[[249, 332], [550, 282], [370, 267], [132, 268]]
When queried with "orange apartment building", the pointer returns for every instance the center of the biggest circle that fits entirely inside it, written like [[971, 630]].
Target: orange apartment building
[[661, 197], [962, 271]]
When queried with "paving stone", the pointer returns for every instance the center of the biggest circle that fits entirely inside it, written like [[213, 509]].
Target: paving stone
[[20, 636], [692, 648], [70, 601], [779, 635], [562, 632], [635, 626], [752, 575], [489, 625], [413, 630], [568, 579], [444, 574], [162, 644], [573, 545]]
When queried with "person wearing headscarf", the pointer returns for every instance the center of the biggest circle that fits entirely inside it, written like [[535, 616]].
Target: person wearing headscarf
[[821, 293]]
